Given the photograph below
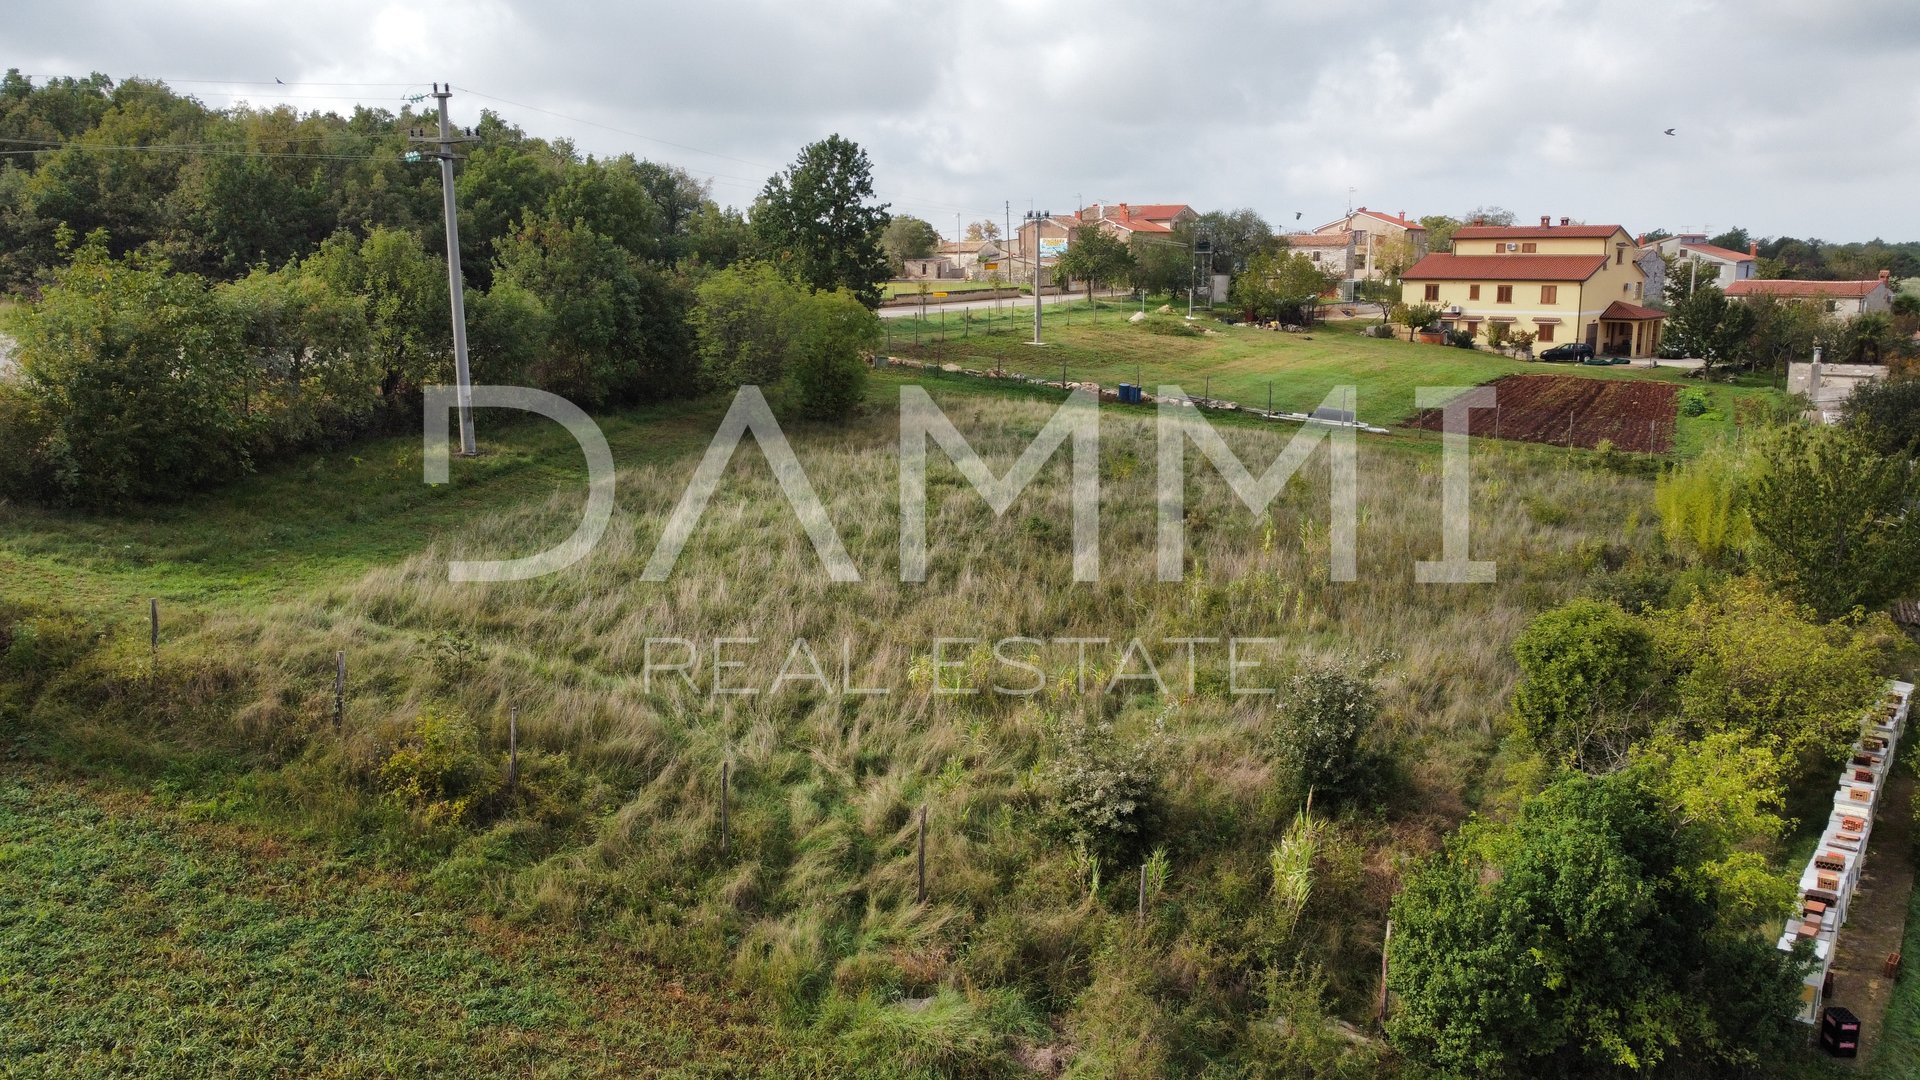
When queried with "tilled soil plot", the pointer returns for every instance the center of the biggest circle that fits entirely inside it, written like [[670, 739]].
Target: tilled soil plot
[[1566, 410]]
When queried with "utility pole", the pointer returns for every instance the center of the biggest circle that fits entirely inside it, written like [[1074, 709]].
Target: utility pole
[[443, 145], [1036, 217]]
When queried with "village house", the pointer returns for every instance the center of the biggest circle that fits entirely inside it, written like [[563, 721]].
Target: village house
[[1385, 240], [1563, 283], [1844, 299], [1714, 264], [1150, 218], [1336, 253]]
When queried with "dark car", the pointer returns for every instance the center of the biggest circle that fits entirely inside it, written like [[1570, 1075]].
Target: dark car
[[1571, 352]]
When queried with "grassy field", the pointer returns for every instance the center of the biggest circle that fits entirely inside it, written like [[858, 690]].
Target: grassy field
[[141, 941], [1242, 364], [613, 832]]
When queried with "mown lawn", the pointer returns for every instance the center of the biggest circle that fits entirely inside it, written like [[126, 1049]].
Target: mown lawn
[[1244, 364], [136, 941]]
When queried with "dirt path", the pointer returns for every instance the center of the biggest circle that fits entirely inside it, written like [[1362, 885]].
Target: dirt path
[[1877, 919]]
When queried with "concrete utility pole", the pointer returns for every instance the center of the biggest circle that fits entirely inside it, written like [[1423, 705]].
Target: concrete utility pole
[[443, 145], [1035, 217]]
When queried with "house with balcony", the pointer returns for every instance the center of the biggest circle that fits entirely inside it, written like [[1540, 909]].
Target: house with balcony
[[1562, 283]]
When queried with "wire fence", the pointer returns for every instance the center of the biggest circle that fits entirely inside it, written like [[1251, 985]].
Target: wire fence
[[1601, 421]]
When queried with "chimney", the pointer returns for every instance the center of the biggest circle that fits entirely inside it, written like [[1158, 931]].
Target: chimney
[[1546, 220], [1359, 209], [1753, 248], [1565, 221], [1479, 221], [1401, 214], [1124, 212]]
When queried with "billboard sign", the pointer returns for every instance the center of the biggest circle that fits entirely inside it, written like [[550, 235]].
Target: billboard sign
[[1052, 247]]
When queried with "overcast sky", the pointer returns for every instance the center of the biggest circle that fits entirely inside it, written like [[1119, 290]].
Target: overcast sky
[[1793, 117]]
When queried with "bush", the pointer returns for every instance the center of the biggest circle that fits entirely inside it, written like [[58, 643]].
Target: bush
[[1168, 327], [1694, 402], [438, 772], [1105, 792], [1460, 339], [1583, 667], [836, 334], [1324, 714]]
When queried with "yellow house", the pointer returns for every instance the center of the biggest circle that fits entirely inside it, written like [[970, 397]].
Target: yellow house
[[1563, 283]]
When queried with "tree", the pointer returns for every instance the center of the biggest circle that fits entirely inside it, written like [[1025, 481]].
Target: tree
[[745, 324], [907, 237], [1749, 660], [1866, 338], [1161, 267], [837, 333], [817, 217], [1584, 667], [1784, 331], [1379, 293], [1703, 505], [1440, 230], [1489, 215], [1415, 316], [1235, 235], [985, 229], [1096, 257], [1583, 940], [1886, 413], [1734, 239], [136, 379], [1834, 519], [1709, 326]]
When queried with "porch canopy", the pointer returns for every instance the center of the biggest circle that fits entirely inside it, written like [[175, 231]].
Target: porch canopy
[[1629, 329]]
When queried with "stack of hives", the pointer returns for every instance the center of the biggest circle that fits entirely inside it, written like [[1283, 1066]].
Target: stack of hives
[[1833, 874]]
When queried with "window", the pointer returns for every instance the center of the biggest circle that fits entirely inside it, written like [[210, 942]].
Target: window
[[1546, 331], [1316, 256], [1549, 294], [1619, 254], [1636, 290], [1503, 295], [1473, 292], [1433, 292], [1529, 248], [1831, 306]]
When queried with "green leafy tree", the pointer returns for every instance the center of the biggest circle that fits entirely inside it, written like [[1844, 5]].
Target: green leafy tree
[[745, 325], [1440, 229], [1784, 331], [1584, 669], [1834, 520], [1415, 316], [1234, 235], [818, 218], [1161, 267], [1097, 258], [1707, 325], [1886, 413], [908, 237], [1582, 940], [833, 346], [402, 291], [135, 378], [1747, 660]]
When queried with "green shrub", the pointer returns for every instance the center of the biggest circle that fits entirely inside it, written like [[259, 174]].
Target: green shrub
[[1168, 327], [1583, 667], [1694, 402], [1324, 713], [1105, 792], [947, 1035], [438, 772], [830, 363]]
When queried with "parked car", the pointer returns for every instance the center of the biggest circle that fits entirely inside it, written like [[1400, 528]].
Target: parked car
[[1572, 352]]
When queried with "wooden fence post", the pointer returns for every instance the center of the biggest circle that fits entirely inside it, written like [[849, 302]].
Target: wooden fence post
[[1384, 944], [726, 778], [153, 624], [1142, 915], [920, 889], [513, 747], [339, 689]]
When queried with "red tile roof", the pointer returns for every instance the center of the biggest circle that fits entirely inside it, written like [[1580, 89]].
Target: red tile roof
[[1158, 211], [1318, 239], [1719, 252], [1446, 266], [1534, 232], [1790, 287], [1132, 224], [1392, 219], [1620, 309]]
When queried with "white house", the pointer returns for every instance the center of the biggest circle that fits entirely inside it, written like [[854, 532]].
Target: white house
[[1844, 299], [1718, 265]]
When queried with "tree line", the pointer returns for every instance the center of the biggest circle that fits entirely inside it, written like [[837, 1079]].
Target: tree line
[[203, 291]]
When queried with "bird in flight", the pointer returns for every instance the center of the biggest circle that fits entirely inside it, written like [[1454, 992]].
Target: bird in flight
[[1296, 215], [282, 82], [1669, 131]]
